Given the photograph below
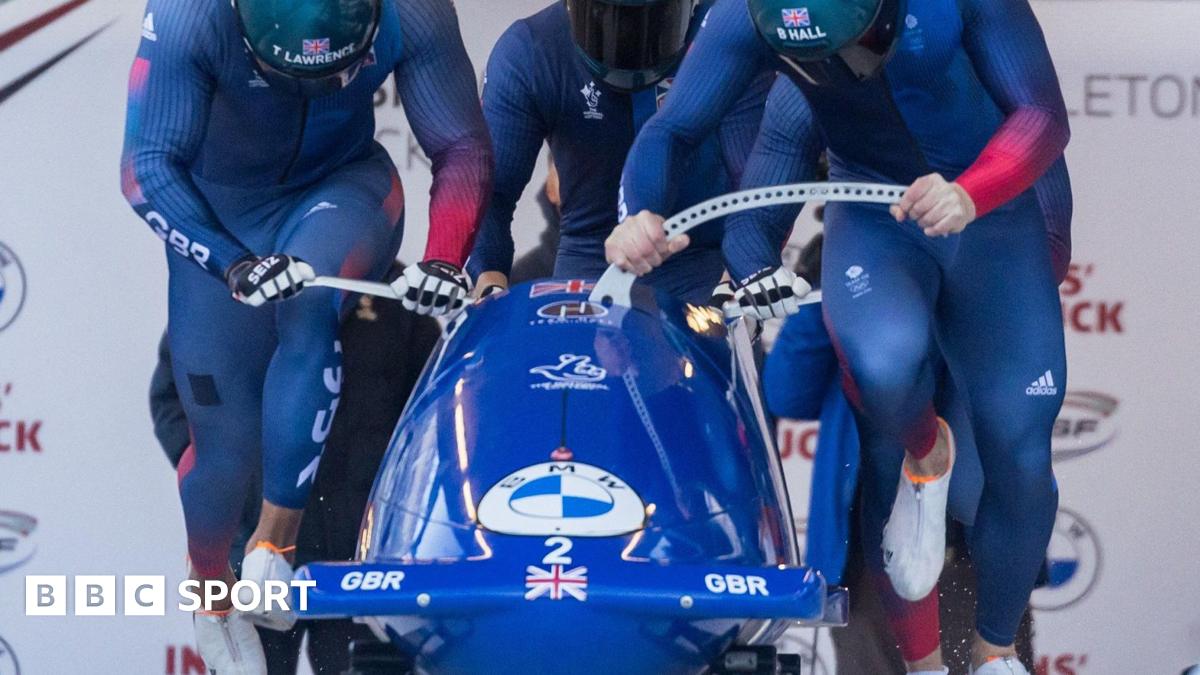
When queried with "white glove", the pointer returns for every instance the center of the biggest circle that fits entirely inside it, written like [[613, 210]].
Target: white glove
[[255, 281], [772, 294], [722, 295], [432, 287]]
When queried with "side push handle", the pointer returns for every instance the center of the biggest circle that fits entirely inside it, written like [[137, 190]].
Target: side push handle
[[615, 286]]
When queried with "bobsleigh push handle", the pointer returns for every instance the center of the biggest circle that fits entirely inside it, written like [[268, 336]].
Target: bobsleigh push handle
[[375, 288], [614, 287]]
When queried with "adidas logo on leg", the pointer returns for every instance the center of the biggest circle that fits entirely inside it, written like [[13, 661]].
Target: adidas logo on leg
[[1043, 386]]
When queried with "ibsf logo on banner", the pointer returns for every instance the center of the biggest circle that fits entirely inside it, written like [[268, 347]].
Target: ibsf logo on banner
[[16, 539], [8, 660], [12, 286], [1086, 424], [1073, 562]]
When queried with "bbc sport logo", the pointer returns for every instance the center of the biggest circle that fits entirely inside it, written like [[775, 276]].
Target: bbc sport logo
[[146, 595], [12, 286]]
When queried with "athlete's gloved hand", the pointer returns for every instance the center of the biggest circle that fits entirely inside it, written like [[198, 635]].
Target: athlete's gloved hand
[[940, 207], [772, 294], [432, 287], [722, 295], [639, 243], [255, 281]]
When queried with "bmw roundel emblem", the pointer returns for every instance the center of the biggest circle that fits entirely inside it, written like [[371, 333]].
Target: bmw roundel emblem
[[12, 286], [1073, 562], [562, 498]]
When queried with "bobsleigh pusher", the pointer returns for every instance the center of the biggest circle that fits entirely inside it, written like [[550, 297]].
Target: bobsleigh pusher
[[584, 484]]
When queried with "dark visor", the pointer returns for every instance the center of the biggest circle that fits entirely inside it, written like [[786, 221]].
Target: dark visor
[[630, 37]]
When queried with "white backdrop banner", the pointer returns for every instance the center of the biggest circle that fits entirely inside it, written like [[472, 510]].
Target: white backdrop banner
[[84, 488]]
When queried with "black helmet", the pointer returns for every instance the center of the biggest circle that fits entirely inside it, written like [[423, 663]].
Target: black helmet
[[309, 47], [831, 41], [630, 44]]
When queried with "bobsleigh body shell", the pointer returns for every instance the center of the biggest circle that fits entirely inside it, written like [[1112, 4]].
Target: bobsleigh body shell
[[578, 489]]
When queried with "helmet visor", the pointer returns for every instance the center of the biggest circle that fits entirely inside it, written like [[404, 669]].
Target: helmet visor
[[635, 37]]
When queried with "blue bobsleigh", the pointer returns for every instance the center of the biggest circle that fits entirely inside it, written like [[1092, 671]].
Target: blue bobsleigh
[[580, 488]]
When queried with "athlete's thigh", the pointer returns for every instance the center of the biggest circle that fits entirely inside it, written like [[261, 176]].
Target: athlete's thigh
[[879, 284], [350, 224], [1000, 308], [1000, 319], [220, 349]]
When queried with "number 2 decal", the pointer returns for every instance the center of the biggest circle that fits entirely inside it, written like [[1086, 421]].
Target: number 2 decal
[[562, 546]]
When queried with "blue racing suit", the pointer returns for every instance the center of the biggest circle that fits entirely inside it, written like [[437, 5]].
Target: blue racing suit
[[222, 166], [537, 88], [970, 93]]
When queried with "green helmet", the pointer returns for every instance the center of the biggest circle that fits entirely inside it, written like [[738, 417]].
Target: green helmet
[[308, 47], [830, 41]]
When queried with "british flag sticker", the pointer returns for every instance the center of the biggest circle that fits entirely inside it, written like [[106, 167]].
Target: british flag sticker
[[796, 18], [556, 583], [562, 286], [316, 47]]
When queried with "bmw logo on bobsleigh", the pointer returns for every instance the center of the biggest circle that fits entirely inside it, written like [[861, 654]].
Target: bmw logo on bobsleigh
[[580, 496]]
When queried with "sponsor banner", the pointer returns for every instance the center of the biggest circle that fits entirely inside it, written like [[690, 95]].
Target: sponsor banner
[[20, 434], [1084, 310]]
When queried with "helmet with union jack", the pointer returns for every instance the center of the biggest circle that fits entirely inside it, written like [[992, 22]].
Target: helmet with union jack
[[308, 47], [830, 41]]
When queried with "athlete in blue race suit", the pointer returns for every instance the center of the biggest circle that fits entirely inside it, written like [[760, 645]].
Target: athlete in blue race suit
[[540, 86], [961, 89], [250, 151], [802, 359]]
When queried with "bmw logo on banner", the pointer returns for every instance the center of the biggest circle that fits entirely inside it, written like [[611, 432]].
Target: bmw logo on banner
[[12, 286], [562, 498], [1073, 562]]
